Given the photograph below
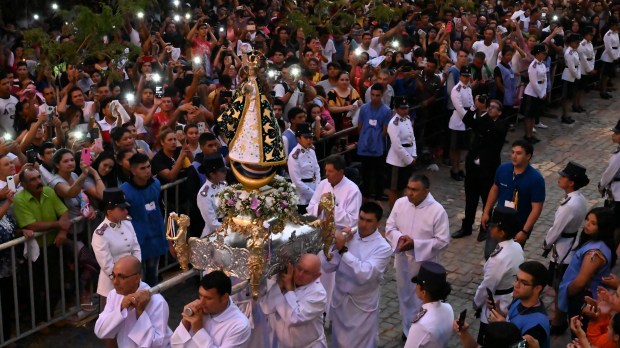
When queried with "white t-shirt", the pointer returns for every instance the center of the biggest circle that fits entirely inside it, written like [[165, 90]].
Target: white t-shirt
[[88, 110], [372, 53], [375, 44], [490, 52], [7, 114]]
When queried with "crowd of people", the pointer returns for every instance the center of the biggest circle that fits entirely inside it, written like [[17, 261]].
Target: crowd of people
[[87, 148]]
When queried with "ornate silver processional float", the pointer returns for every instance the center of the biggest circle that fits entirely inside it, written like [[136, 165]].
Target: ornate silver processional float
[[261, 231]]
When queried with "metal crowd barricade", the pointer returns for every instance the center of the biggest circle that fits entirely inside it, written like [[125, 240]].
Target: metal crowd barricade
[[167, 262], [23, 283]]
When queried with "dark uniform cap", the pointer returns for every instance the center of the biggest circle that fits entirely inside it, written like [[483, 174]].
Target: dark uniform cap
[[303, 129], [212, 163], [616, 129], [465, 70], [506, 219], [401, 102], [575, 172], [573, 38], [539, 48], [114, 197], [431, 275]]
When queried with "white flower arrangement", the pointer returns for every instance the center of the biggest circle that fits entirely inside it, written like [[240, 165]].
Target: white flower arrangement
[[279, 201]]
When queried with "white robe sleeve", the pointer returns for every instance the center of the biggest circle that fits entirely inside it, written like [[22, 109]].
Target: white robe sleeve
[[301, 310], [181, 338], [392, 234], [426, 249], [330, 266], [347, 211], [364, 271], [313, 206], [152, 332], [111, 319]]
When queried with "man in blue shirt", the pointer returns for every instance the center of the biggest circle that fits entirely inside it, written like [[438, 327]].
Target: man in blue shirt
[[143, 192], [519, 186], [527, 311], [372, 127]]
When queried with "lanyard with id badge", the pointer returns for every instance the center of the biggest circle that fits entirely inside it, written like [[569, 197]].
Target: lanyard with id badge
[[515, 193]]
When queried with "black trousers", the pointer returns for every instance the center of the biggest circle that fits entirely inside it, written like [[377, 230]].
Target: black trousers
[[38, 284], [372, 175], [8, 306], [477, 187]]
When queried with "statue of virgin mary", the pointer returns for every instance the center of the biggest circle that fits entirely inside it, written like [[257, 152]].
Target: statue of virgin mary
[[254, 138]]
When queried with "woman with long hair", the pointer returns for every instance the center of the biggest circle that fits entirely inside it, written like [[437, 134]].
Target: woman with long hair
[[592, 259], [342, 99], [105, 166]]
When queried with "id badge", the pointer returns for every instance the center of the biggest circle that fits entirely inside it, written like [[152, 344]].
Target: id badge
[[150, 206], [509, 204], [372, 122]]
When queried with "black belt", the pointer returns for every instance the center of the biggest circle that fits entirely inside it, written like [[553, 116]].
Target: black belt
[[504, 292], [568, 235], [615, 48], [307, 180], [589, 59], [577, 67], [541, 82], [407, 145]]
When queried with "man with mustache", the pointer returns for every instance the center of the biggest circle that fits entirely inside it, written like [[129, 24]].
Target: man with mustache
[[38, 208]]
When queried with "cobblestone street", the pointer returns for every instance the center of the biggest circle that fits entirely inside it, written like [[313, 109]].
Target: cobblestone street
[[588, 142]]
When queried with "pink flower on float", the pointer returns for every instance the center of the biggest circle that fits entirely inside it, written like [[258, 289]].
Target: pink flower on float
[[254, 203]]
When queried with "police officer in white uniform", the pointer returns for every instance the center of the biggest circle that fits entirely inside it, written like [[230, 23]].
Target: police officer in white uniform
[[462, 100], [501, 267], [402, 154], [609, 185], [432, 325], [564, 232], [610, 55], [113, 239], [586, 60], [303, 167], [535, 91], [417, 230], [214, 167], [571, 76]]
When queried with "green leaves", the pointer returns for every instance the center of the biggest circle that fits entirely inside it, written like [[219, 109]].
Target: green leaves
[[85, 30]]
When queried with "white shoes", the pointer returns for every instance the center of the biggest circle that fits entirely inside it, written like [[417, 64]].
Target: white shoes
[[541, 125]]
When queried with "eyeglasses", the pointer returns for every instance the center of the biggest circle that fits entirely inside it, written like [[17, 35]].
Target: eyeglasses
[[521, 281], [122, 276]]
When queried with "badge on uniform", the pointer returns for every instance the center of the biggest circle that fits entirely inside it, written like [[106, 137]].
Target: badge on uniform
[[101, 229], [205, 191], [497, 250], [419, 315], [396, 121], [296, 153]]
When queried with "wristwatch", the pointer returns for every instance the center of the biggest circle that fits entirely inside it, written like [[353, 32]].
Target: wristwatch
[[343, 250]]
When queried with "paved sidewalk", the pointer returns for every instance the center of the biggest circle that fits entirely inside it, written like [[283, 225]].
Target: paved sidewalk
[[588, 142]]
